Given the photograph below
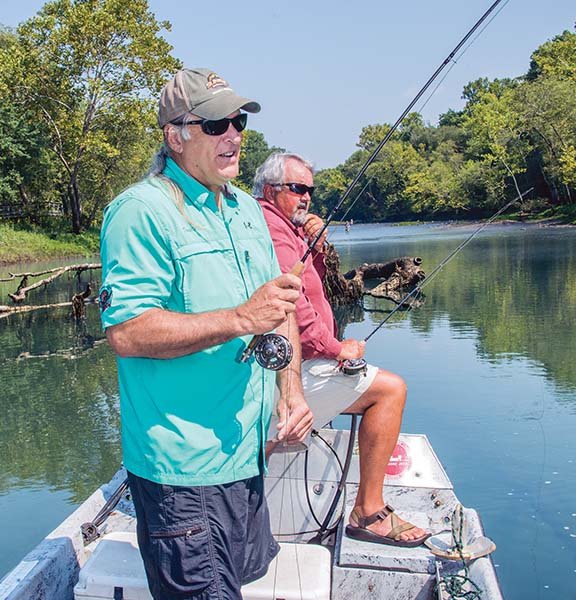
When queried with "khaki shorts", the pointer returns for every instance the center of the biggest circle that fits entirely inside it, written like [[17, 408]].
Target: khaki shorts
[[328, 391]]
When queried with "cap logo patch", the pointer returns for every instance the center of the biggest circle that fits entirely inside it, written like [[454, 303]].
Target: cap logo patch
[[214, 80]]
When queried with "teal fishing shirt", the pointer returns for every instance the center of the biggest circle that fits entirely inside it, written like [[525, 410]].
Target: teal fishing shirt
[[200, 419]]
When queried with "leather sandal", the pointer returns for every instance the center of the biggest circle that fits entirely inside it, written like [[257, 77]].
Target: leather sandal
[[361, 532]]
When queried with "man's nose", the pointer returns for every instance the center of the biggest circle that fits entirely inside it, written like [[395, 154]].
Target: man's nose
[[232, 133]]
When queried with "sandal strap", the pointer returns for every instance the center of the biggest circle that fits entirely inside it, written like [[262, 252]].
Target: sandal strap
[[397, 530], [365, 521]]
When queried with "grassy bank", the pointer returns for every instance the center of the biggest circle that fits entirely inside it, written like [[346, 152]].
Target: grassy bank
[[18, 245]]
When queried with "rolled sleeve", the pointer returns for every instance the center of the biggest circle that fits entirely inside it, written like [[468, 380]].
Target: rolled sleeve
[[137, 267]]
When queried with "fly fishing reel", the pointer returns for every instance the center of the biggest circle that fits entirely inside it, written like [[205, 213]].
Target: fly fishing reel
[[271, 351], [354, 366]]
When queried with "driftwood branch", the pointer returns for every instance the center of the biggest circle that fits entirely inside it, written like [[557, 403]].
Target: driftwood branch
[[397, 276], [6, 311], [24, 288], [35, 274]]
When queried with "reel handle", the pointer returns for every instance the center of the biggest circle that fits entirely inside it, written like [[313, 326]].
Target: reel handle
[[249, 350]]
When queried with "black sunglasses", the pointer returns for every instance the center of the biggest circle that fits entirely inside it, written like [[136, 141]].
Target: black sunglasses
[[298, 188], [210, 127]]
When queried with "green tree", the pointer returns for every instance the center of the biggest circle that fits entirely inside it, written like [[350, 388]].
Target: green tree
[[255, 151], [547, 113], [330, 186], [25, 166], [88, 68], [555, 58], [474, 90], [372, 135], [494, 129]]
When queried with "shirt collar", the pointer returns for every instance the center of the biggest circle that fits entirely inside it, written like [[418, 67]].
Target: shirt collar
[[193, 190]]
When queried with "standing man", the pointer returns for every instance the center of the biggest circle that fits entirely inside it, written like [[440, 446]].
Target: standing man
[[284, 185], [189, 276]]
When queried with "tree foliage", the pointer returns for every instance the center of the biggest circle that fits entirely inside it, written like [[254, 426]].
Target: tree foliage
[[78, 89], [255, 151], [512, 132], [87, 70]]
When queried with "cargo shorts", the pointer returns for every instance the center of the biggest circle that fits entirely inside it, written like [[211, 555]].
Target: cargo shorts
[[202, 542]]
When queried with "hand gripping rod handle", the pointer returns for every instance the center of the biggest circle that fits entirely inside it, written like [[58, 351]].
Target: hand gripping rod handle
[[249, 350]]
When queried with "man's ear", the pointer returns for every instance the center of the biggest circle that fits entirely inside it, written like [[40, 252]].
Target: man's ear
[[269, 193], [173, 139]]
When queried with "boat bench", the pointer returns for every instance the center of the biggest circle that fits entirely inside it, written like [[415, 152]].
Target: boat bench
[[115, 572]]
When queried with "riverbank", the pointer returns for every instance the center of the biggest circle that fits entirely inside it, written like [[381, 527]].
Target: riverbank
[[22, 245]]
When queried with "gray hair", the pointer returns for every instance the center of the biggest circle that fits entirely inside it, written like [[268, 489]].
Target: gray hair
[[159, 163], [272, 171]]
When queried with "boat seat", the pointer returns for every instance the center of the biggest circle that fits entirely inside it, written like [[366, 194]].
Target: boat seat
[[115, 571]]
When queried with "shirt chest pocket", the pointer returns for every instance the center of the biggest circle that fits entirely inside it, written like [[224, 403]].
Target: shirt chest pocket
[[208, 277]]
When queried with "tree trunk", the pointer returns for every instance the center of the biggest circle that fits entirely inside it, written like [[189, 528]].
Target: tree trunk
[[75, 205], [397, 277]]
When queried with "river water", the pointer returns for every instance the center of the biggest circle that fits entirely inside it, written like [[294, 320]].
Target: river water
[[489, 361]]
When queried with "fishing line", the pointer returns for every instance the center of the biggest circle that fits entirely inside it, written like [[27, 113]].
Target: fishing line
[[456, 59], [287, 414], [267, 359], [418, 288]]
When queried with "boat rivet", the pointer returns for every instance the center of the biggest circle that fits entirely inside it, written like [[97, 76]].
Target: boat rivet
[[318, 488]]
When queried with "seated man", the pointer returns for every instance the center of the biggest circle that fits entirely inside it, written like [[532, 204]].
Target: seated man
[[283, 185]]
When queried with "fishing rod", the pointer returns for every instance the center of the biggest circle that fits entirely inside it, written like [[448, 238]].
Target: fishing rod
[[273, 351], [358, 365]]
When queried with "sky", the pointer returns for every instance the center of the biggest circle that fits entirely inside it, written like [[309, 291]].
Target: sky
[[322, 69]]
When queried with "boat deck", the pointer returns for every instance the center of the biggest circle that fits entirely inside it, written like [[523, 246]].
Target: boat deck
[[417, 486]]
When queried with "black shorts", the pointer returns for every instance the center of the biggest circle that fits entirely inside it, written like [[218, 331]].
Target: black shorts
[[203, 542]]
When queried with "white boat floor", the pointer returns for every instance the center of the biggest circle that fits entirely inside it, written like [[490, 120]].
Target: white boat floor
[[419, 489]]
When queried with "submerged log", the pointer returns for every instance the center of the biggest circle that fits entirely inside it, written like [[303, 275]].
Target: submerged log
[[398, 277], [24, 288]]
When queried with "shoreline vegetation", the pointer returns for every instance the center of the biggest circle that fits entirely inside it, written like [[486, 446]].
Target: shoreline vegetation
[[18, 245], [26, 245], [92, 132]]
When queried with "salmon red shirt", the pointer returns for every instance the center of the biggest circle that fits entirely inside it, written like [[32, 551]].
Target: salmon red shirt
[[313, 311]]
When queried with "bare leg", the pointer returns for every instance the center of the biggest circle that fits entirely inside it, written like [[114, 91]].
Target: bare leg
[[382, 406]]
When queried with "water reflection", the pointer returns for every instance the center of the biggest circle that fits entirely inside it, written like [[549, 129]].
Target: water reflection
[[515, 287], [488, 358], [59, 404]]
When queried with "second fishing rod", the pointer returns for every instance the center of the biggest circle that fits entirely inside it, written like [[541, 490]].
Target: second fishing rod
[[273, 351]]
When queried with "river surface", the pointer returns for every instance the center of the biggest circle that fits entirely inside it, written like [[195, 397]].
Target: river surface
[[488, 357]]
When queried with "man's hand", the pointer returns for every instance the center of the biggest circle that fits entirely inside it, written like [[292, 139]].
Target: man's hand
[[270, 304], [296, 419], [311, 227], [351, 349]]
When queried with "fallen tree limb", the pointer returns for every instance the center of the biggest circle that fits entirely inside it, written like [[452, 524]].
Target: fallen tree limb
[[398, 275], [36, 274], [23, 288], [6, 311]]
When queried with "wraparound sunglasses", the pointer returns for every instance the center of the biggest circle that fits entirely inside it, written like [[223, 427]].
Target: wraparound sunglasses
[[297, 188], [220, 126]]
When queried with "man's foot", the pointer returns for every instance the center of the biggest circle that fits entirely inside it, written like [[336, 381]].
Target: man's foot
[[385, 527]]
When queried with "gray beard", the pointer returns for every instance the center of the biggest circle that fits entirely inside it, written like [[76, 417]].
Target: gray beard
[[299, 217]]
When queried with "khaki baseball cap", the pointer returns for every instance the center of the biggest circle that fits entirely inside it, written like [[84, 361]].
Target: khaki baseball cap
[[202, 92]]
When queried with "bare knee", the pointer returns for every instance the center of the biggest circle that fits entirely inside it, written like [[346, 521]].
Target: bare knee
[[391, 387], [387, 390]]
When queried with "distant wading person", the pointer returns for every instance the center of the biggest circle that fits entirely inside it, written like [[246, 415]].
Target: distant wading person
[[189, 276], [284, 185]]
